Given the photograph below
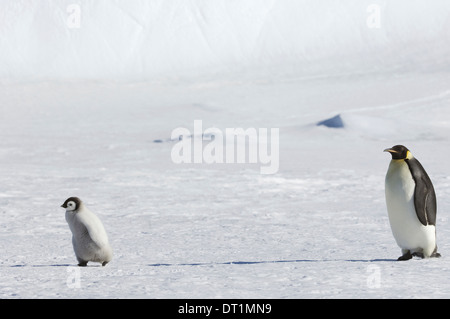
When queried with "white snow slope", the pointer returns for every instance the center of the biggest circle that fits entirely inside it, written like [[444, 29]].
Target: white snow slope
[[87, 89]]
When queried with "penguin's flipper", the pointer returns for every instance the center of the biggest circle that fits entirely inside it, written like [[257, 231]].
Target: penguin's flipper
[[93, 230], [424, 195], [425, 202]]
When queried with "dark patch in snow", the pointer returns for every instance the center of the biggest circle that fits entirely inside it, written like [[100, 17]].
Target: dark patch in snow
[[334, 122]]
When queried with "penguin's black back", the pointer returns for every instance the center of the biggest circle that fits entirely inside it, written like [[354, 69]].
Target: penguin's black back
[[424, 195]]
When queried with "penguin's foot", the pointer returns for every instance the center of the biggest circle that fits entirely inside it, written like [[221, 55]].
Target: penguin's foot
[[104, 263], [406, 256], [435, 253], [83, 264], [420, 255]]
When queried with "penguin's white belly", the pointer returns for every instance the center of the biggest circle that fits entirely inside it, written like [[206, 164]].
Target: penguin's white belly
[[408, 231], [89, 238], [88, 250]]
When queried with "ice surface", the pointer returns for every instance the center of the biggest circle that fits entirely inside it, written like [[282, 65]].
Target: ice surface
[[81, 108]]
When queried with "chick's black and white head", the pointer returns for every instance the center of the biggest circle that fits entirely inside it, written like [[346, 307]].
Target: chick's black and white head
[[399, 152], [72, 204]]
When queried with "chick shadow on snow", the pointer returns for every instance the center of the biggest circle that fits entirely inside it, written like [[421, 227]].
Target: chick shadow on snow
[[49, 265]]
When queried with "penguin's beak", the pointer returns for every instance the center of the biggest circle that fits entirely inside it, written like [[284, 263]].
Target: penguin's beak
[[63, 206], [390, 150]]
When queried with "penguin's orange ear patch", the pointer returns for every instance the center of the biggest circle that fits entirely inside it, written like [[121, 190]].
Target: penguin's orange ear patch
[[409, 155]]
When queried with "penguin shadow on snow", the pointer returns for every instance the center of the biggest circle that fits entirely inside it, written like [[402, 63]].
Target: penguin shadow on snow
[[240, 262], [43, 265], [269, 262], [40, 265]]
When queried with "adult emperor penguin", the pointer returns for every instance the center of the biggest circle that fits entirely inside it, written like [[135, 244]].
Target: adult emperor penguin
[[411, 205], [89, 238]]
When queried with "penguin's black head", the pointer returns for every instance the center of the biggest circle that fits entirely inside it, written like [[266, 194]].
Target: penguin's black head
[[72, 203], [399, 152]]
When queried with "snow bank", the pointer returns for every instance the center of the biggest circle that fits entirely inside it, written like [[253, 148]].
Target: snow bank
[[143, 39]]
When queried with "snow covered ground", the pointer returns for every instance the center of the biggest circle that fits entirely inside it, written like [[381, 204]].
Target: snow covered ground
[[318, 228]]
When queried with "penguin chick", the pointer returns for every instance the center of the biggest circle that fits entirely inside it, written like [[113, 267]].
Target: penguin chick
[[411, 205], [89, 238]]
